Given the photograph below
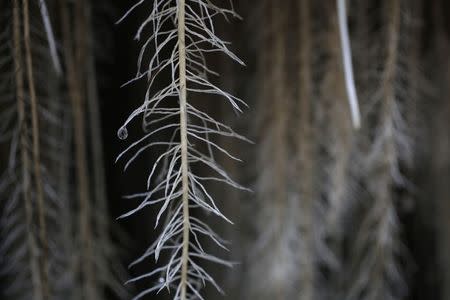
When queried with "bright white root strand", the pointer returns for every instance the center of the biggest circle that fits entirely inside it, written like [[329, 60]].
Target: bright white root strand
[[348, 65]]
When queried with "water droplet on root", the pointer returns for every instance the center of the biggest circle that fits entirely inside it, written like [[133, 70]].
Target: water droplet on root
[[122, 133]]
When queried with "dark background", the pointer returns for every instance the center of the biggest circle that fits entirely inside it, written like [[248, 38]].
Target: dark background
[[116, 64]]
